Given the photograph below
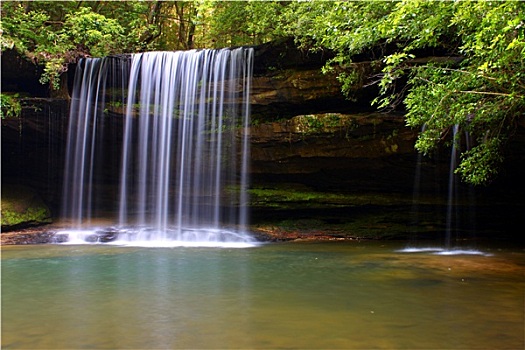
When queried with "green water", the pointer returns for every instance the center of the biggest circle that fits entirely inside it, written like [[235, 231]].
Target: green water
[[293, 295]]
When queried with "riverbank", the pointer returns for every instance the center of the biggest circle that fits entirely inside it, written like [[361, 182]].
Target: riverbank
[[32, 235]]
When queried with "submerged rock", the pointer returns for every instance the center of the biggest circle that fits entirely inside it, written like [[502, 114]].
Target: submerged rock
[[22, 207]]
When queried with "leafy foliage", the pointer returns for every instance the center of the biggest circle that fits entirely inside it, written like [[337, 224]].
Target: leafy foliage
[[474, 78], [57, 42], [236, 23], [55, 34], [10, 106], [478, 83]]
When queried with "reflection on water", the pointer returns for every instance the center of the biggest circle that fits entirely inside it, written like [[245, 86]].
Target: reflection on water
[[294, 295]]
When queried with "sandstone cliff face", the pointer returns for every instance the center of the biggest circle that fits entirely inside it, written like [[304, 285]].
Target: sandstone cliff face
[[289, 82], [323, 163]]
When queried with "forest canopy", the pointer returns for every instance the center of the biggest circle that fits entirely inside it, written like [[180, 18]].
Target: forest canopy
[[475, 84]]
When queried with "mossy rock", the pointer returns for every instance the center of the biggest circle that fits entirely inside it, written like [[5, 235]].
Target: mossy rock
[[22, 207]]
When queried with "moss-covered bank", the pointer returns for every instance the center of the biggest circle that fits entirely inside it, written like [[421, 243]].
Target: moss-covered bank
[[22, 207]]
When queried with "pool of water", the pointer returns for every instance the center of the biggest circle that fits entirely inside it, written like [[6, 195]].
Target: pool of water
[[352, 295]]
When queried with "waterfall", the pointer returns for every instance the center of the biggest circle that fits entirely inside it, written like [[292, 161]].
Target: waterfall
[[85, 156], [182, 144], [452, 214]]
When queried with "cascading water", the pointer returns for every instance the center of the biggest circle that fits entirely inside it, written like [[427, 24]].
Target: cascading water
[[452, 196], [85, 154], [183, 145]]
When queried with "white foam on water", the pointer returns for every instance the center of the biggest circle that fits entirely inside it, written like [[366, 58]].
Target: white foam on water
[[462, 252], [75, 237], [442, 251], [420, 250], [150, 238], [174, 244]]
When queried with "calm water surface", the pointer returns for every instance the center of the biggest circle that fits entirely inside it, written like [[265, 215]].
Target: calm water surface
[[290, 295]]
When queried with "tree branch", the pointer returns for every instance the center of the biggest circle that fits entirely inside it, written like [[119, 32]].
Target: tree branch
[[53, 22], [489, 93]]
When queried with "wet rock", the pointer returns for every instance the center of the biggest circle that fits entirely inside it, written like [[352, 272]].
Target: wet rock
[[107, 235], [60, 238], [91, 238]]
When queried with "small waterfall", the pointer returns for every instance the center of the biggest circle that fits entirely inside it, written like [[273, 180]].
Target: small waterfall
[[452, 186], [182, 147], [452, 215]]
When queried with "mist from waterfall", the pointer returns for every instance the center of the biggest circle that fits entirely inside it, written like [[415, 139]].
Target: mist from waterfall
[[182, 146]]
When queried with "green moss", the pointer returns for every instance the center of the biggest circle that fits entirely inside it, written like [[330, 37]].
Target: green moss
[[354, 225], [12, 218], [290, 197], [22, 207], [328, 123], [288, 211]]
